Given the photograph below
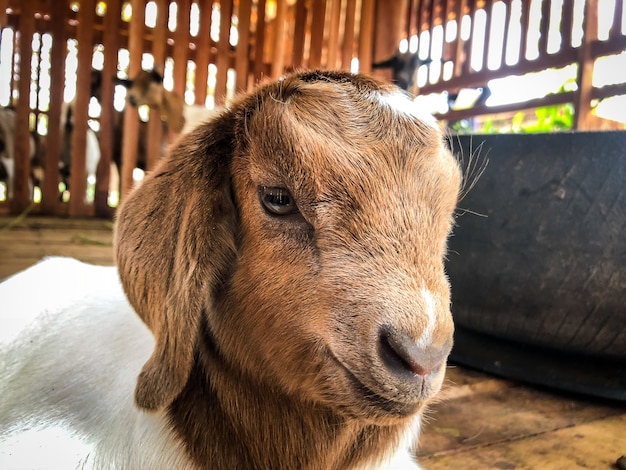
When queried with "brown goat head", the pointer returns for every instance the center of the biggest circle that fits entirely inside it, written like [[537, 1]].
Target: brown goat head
[[302, 233]]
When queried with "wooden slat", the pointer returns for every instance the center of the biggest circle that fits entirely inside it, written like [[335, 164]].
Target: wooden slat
[[582, 104], [347, 49], [278, 60], [131, 118], [505, 32], [297, 57], [4, 4], [154, 133], [181, 47], [459, 54], [78, 178], [203, 51], [544, 25], [223, 50], [242, 57], [50, 190], [488, 45], [259, 49], [21, 190], [317, 33], [366, 35], [469, 44], [525, 22], [108, 116], [566, 23], [333, 33]]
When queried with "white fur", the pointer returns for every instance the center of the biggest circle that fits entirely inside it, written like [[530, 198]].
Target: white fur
[[429, 309], [69, 360]]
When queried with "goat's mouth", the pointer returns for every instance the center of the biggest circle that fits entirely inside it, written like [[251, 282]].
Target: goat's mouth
[[374, 403]]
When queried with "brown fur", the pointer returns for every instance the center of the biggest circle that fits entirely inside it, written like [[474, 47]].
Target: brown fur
[[270, 331]]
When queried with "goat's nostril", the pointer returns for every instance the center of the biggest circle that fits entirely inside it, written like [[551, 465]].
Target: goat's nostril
[[402, 354]]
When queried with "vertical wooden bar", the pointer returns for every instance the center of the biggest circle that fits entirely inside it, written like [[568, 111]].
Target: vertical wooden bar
[[366, 35], [333, 33], [154, 134], [388, 33], [181, 47], [317, 33], [347, 49], [544, 26], [469, 45], [505, 33], [616, 27], [408, 20], [223, 50], [21, 185], [525, 23], [419, 10], [566, 23], [582, 104], [78, 178], [259, 42], [278, 61], [488, 45], [297, 58], [4, 18], [203, 51], [459, 54], [131, 118], [107, 116], [242, 58], [50, 189]]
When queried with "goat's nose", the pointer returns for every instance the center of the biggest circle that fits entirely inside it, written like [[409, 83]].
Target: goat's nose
[[402, 353]]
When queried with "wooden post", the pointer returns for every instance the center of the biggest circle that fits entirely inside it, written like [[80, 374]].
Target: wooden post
[[181, 47], [366, 35], [317, 33], [242, 59], [203, 52], [78, 179], [278, 61], [223, 51], [21, 184], [154, 134], [50, 190], [582, 104], [299, 34], [333, 34], [108, 114], [131, 118], [388, 31], [347, 49], [259, 42]]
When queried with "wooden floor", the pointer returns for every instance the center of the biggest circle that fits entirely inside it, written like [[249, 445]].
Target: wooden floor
[[481, 422]]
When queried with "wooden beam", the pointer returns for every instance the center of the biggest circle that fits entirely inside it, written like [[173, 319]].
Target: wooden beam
[[259, 43], [297, 57], [317, 33], [154, 135], [21, 179], [131, 118], [50, 189], [347, 48], [108, 116], [582, 103], [223, 51], [242, 55], [80, 116], [278, 60], [366, 35]]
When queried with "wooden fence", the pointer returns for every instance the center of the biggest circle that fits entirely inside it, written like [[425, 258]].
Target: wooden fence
[[211, 49], [473, 42]]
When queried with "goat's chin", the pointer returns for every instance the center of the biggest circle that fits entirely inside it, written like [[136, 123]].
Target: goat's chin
[[378, 403]]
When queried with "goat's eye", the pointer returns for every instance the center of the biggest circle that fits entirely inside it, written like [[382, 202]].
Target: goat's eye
[[277, 201]]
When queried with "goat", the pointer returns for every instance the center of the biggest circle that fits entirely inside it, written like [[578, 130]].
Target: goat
[[146, 88], [285, 264]]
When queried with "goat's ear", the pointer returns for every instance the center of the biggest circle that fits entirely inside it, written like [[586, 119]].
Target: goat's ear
[[174, 242], [156, 77], [125, 82]]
